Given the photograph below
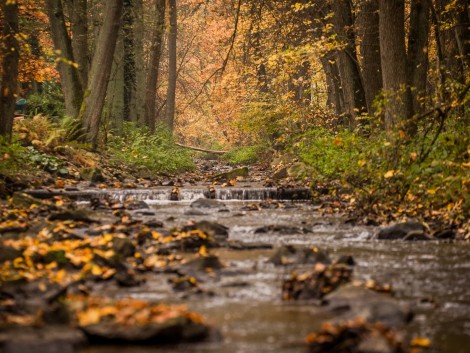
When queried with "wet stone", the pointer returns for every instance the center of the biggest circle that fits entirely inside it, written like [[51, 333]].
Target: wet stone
[[289, 255], [175, 330], [207, 203], [218, 231], [317, 283], [372, 306], [400, 230]]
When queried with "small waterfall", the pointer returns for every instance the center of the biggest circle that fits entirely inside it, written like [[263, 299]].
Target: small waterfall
[[182, 194]]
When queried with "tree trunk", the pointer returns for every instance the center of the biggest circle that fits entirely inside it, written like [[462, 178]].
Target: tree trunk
[[154, 63], [354, 97], [129, 58], [100, 71], [71, 87], [114, 105], [9, 66], [368, 28], [335, 94], [418, 52], [398, 105], [172, 73], [138, 105], [77, 10]]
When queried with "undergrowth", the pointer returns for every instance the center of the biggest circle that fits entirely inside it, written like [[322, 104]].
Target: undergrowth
[[157, 151], [246, 154]]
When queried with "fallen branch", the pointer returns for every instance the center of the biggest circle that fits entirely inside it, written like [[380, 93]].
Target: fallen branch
[[200, 149]]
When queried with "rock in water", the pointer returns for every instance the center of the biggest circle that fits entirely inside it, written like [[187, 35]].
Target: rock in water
[[401, 230], [289, 255], [232, 174], [207, 203]]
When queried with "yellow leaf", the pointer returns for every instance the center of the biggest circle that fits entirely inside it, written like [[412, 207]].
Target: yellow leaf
[[96, 270], [203, 251], [390, 174], [361, 163], [420, 342]]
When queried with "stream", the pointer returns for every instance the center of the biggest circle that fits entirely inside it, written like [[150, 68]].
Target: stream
[[246, 306]]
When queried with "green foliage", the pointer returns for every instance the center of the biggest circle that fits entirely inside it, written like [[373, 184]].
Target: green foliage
[[11, 154], [245, 154], [49, 101], [45, 162], [427, 172], [157, 152]]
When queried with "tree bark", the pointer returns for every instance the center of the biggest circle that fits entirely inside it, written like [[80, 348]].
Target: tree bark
[[172, 72], [398, 104], [154, 63], [114, 105], [77, 10], [418, 52], [9, 66], [138, 105], [368, 30], [100, 71], [335, 94], [129, 58], [353, 91], [71, 87]]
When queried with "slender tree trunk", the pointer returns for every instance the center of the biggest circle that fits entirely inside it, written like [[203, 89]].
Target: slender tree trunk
[[351, 84], [77, 10], [9, 66], [100, 71], [71, 87], [398, 104], [368, 24], [418, 52], [154, 63], [172, 73], [335, 94], [138, 105], [129, 57]]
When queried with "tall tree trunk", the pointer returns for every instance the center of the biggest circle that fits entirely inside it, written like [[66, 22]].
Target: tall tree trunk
[[9, 66], [398, 104], [114, 105], [154, 63], [368, 30], [71, 87], [335, 94], [100, 71], [138, 107], [172, 73], [129, 57], [77, 10], [351, 84], [418, 52]]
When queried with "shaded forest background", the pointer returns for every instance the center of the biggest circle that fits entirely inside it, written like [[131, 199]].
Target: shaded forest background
[[373, 94]]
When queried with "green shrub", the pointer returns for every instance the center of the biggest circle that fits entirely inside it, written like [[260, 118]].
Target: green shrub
[[245, 154], [11, 156], [49, 102], [157, 151], [45, 162]]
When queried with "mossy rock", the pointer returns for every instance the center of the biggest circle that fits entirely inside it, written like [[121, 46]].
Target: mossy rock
[[232, 174]]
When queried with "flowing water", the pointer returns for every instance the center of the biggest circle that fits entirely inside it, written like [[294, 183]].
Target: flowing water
[[433, 277]]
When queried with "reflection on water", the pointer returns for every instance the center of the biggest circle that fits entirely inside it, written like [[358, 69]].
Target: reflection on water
[[433, 277]]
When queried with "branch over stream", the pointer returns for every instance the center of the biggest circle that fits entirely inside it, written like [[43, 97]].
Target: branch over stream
[[200, 149]]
